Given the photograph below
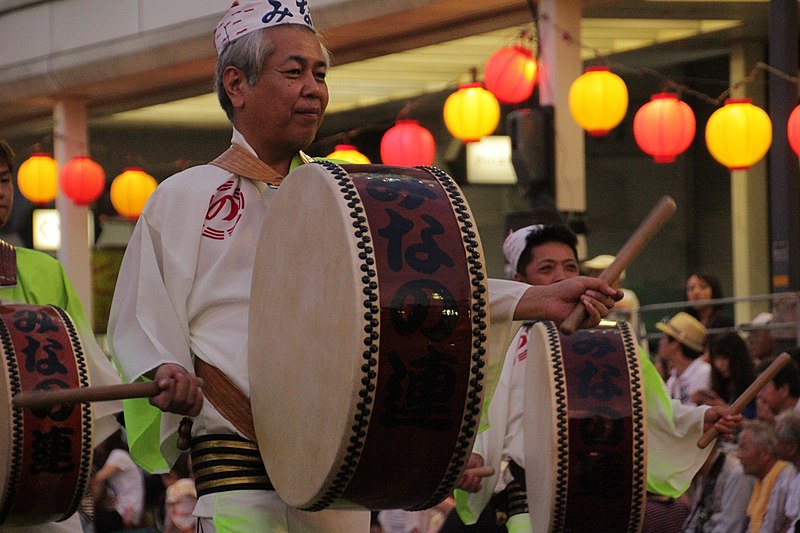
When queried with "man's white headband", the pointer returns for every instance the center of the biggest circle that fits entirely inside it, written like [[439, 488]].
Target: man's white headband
[[245, 17]]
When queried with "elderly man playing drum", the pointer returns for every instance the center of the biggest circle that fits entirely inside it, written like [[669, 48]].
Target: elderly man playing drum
[[31, 277], [183, 295], [543, 255]]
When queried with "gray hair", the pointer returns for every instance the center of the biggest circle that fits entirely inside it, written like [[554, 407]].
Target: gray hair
[[763, 433], [248, 54], [787, 426]]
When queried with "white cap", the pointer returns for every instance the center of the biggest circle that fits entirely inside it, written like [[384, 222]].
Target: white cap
[[515, 243], [248, 16]]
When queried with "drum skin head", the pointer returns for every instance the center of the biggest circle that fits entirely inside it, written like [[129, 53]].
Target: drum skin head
[[286, 322]]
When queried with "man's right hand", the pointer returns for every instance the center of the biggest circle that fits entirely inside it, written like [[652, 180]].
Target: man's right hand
[[473, 475], [180, 391]]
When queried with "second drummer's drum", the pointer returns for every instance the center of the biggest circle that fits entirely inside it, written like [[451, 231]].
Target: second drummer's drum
[[585, 430], [368, 326]]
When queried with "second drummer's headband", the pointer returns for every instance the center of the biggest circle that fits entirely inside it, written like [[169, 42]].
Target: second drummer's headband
[[515, 244], [246, 17]]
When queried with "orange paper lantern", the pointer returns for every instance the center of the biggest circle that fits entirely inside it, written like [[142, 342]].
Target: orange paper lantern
[[739, 134], [598, 100], [37, 179], [510, 74], [407, 144], [471, 112], [664, 127], [130, 191], [82, 180], [349, 153]]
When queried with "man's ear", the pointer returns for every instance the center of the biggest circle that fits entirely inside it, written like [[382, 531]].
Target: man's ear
[[519, 277], [234, 82]]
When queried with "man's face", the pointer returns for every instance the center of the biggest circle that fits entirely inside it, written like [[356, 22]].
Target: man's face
[[753, 458], [667, 347], [6, 193], [772, 396], [551, 262], [285, 107], [760, 343]]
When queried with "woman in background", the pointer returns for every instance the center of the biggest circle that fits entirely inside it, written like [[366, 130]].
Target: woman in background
[[732, 371]]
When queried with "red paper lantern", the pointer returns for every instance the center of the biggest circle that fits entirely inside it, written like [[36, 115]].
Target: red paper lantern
[[82, 180], [664, 127], [793, 128], [407, 144], [510, 74]]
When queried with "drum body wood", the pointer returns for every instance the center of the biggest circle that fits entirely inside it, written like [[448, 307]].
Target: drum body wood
[[367, 337], [585, 430], [45, 454]]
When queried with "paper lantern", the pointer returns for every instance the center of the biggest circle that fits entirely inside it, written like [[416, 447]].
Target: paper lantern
[[738, 134], [664, 127], [130, 191], [598, 100], [37, 179], [793, 129], [82, 180], [349, 153], [471, 112], [407, 144], [510, 74]]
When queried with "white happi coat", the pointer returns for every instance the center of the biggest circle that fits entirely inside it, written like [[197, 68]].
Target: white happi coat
[[184, 287]]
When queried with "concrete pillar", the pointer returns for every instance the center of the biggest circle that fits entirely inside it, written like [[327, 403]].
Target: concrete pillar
[[749, 200], [70, 139], [560, 65]]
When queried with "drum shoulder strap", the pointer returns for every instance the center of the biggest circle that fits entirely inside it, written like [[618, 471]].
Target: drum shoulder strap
[[226, 397], [8, 264], [238, 160]]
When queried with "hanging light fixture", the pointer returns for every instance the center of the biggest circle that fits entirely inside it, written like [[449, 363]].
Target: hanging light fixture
[[407, 144], [37, 179], [82, 180], [738, 134], [510, 74], [598, 100], [664, 127], [349, 153], [793, 129], [130, 191], [471, 112]]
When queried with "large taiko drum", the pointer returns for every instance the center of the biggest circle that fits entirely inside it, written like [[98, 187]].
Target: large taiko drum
[[45, 454], [585, 430], [368, 328]]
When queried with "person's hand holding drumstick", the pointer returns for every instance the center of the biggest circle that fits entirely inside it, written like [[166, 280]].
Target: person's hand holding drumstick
[[181, 392], [557, 301], [473, 475]]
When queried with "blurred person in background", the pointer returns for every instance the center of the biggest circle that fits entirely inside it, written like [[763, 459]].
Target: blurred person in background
[[732, 371]]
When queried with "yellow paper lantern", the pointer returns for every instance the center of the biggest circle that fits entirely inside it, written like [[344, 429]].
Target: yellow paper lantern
[[598, 100], [738, 134], [349, 153], [130, 191], [471, 112], [37, 179]]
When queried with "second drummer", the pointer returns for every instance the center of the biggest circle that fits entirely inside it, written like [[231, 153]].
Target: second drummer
[[542, 255]]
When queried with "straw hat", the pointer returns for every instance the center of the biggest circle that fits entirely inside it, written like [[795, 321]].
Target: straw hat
[[686, 329], [602, 262]]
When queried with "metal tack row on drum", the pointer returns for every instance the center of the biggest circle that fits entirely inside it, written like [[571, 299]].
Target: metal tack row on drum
[[366, 388], [46, 453]]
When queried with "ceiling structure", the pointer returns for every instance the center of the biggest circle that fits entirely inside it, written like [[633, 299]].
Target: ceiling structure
[[402, 54]]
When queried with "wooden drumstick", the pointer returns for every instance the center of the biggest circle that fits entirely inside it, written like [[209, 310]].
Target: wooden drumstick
[[747, 396], [662, 212], [139, 389]]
